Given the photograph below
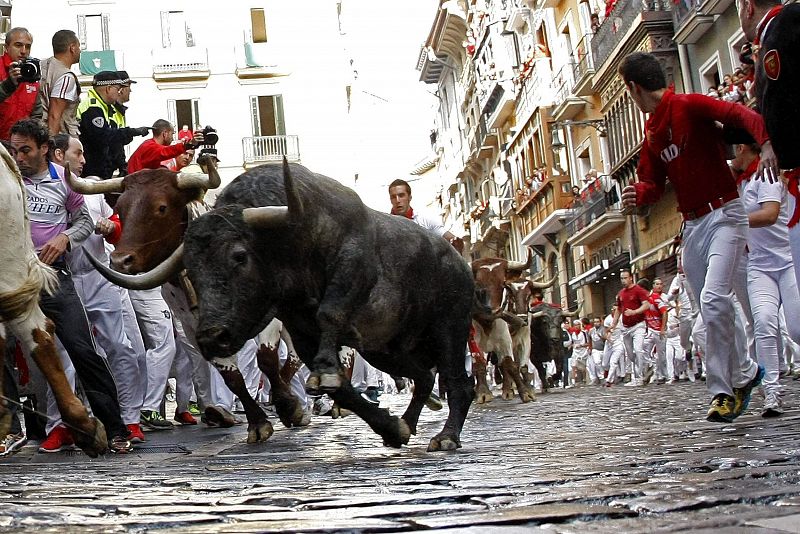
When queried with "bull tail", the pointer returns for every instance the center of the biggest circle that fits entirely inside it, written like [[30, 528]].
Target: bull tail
[[21, 301]]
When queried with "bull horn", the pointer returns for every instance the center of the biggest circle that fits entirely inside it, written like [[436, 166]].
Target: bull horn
[[542, 285], [152, 278], [573, 313], [193, 180], [266, 216], [534, 315], [518, 265], [293, 201], [209, 165], [92, 187]]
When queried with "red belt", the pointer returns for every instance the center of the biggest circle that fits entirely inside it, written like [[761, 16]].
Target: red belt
[[707, 208]]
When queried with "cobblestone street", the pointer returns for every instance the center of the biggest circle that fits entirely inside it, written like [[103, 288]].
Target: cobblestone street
[[582, 460]]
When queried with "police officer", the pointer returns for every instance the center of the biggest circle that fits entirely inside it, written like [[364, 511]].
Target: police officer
[[101, 136]]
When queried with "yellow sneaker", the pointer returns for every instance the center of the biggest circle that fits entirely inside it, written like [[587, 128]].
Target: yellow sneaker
[[722, 409]]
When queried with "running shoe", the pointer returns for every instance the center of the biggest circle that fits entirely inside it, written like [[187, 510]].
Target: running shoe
[[12, 443], [773, 405], [154, 420], [120, 445], [743, 394], [59, 439], [185, 418], [136, 434], [721, 410]]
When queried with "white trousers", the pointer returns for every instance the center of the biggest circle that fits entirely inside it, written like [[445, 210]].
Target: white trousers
[[364, 375], [155, 322], [794, 236], [633, 340], [105, 311], [713, 248], [768, 290], [655, 351], [615, 350], [246, 362], [676, 357], [595, 365]]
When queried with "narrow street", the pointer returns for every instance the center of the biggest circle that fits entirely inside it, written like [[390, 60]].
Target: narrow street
[[581, 460]]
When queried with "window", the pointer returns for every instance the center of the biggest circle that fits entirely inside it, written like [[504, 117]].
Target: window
[[175, 31], [710, 73], [93, 32], [184, 112], [266, 113], [735, 46], [258, 25]]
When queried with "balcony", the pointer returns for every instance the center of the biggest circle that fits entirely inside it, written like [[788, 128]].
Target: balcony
[[499, 106], [583, 67], [714, 7], [180, 64], [626, 18], [270, 148], [536, 89], [594, 215], [690, 23], [566, 105], [545, 210], [259, 60]]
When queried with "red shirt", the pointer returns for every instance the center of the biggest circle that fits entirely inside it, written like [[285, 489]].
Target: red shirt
[[683, 143], [653, 314], [150, 154], [631, 298]]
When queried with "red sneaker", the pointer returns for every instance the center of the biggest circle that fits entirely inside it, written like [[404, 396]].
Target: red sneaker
[[59, 439], [136, 434], [185, 418]]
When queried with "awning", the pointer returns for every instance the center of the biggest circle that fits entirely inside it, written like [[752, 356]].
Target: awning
[[605, 269], [656, 254], [551, 224]]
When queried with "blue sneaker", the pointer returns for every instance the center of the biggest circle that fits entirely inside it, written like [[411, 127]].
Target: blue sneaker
[[743, 394]]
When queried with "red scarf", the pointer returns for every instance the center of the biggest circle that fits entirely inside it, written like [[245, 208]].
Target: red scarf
[[408, 215], [748, 173], [770, 15]]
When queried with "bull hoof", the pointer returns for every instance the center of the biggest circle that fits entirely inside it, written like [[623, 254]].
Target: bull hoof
[[215, 416], [527, 396], [312, 384], [93, 442], [337, 412], [258, 432], [508, 395], [290, 412], [330, 382], [403, 434], [483, 395], [444, 442]]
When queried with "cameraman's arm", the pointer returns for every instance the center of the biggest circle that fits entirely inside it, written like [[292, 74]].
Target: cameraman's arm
[[7, 88]]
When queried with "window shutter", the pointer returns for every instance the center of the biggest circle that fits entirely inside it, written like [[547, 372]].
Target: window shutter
[[280, 123], [82, 31], [165, 42], [258, 25], [106, 38], [196, 113], [254, 118], [172, 114]]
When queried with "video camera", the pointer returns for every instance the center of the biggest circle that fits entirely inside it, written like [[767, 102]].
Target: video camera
[[29, 70], [210, 139]]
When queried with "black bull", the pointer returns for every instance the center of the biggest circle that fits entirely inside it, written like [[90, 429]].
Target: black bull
[[547, 339], [336, 273]]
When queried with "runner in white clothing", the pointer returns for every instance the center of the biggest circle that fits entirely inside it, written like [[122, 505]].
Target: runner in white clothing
[[770, 270]]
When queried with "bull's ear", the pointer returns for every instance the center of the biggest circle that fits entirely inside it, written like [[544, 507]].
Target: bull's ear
[[293, 201]]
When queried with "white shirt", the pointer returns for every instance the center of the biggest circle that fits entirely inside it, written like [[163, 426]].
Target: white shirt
[[769, 248], [94, 244], [616, 334], [65, 87], [429, 223]]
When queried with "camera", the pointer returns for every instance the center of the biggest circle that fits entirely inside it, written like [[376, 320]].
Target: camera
[[210, 139], [29, 70]]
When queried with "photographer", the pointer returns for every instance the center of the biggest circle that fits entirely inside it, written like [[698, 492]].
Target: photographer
[[152, 152], [60, 88], [19, 95]]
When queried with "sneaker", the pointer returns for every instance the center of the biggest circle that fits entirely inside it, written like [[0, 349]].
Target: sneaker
[[367, 397], [136, 434], [154, 421], [607, 384], [194, 409], [743, 394], [12, 443], [434, 403], [722, 409], [120, 445], [773, 405], [185, 418], [648, 375], [635, 382], [59, 439]]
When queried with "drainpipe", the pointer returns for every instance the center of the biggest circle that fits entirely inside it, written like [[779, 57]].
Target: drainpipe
[[686, 76]]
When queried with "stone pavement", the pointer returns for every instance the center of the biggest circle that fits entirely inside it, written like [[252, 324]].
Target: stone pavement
[[581, 460]]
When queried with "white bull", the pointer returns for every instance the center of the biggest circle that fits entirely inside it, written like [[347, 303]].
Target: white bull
[[22, 279]]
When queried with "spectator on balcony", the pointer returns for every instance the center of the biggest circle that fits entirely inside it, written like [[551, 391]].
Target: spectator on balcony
[[595, 24], [60, 88], [100, 134], [185, 133], [152, 152], [683, 144], [18, 99]]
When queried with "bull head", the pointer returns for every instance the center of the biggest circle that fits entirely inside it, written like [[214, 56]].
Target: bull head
[[277, 216]]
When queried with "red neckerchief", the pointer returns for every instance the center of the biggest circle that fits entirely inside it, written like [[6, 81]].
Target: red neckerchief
[[408, 215], [657, 127], [770, 15], [746, 174]]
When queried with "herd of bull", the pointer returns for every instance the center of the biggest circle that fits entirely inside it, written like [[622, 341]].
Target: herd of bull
[[285, 249]]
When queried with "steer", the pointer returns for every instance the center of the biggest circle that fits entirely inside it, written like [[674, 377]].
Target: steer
[[499, 328], [547, 338], [22, 278], [155, 207], [299, 246]]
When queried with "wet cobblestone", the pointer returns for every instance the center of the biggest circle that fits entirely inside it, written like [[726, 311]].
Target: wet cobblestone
[[582, 460]]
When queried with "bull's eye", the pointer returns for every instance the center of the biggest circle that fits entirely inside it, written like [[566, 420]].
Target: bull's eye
[[162, 209], [239, 257]]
